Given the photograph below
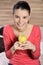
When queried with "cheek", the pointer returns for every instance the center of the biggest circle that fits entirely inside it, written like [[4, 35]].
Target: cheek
[[26, 20], [16, 20]]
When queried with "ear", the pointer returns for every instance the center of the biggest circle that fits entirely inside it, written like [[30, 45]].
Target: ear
[[30, 14], [29, 18]]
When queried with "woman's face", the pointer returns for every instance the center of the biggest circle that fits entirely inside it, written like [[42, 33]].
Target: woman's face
[[21, 18]]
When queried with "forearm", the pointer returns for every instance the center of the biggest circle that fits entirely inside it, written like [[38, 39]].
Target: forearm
[[33, 48], [30, 46], [10, 52], [13, 49], [36, 54]]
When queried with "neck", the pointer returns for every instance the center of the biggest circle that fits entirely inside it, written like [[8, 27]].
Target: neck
[[24, 29], [20, 30]]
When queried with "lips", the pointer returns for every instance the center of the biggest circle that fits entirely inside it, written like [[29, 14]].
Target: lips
[[20, 24]]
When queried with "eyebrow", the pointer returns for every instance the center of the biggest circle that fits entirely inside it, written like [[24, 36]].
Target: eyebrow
[[16, 15]]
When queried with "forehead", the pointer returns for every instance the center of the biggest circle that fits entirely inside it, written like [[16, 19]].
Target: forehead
[[21, 12]]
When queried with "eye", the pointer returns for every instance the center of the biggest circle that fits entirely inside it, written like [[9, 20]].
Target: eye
[[16, 16], [24, 17]]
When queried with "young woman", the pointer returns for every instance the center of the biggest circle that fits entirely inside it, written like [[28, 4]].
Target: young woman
[[18, 53]]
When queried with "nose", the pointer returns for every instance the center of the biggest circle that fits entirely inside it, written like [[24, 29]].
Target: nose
[[20, 20]]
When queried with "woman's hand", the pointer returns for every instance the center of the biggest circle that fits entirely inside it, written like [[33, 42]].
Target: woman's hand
[[23, 46], [28, 45], [18, 46]]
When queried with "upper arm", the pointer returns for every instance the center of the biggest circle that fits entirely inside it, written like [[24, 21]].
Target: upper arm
[[7, 42], [37, 39]]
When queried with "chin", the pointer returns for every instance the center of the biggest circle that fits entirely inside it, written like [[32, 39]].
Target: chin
[[20, 29]]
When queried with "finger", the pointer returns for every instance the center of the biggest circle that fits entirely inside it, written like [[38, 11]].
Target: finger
[[20, 48]]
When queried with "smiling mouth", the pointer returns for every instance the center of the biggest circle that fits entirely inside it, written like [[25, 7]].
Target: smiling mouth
[[20, 25]]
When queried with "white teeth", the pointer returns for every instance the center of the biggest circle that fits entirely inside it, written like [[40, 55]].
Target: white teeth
[[20, 24]]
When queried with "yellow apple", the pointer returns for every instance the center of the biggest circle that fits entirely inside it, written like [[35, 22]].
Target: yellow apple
[[22, 38]]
